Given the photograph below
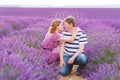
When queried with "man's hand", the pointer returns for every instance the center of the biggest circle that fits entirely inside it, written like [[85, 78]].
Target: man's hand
[[62, 63], [71, 60]]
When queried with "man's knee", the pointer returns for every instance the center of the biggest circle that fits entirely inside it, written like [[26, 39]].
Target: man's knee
[[82, 58]]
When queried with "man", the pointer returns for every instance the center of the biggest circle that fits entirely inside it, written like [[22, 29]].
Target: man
[[72, 53]]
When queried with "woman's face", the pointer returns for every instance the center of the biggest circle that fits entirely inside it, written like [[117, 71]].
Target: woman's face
[[60, 27]]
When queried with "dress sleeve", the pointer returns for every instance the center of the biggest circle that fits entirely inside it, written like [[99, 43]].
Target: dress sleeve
[[55, 37]]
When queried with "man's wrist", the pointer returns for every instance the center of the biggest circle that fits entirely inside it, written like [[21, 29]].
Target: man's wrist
[[73, 56]]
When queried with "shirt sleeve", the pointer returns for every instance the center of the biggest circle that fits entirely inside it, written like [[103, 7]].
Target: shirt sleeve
[[83, 38]]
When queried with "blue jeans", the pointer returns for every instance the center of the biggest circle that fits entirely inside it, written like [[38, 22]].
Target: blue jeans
[[80, 60]]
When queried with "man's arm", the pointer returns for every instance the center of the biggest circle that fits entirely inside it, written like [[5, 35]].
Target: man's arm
[[81, 48]]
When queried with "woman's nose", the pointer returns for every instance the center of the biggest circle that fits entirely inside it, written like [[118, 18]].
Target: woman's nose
[[63, 26]]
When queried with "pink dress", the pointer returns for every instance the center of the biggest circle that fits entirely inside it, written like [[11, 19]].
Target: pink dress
[[50, 47]]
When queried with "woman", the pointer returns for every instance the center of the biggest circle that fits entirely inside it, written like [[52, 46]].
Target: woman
[[52, 40]]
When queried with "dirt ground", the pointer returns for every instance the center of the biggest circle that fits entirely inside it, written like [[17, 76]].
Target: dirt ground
[[72, 75]]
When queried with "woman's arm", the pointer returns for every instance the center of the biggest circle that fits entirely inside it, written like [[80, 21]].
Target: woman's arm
[[61, 49], [69, 39]]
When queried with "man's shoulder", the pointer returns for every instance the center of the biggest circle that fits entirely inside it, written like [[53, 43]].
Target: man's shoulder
[[80, 30]]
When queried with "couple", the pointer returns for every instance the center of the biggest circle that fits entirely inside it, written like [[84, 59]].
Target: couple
[[70, 45]]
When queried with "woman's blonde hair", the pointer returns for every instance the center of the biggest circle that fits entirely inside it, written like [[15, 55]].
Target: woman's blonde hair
[[54, 24]]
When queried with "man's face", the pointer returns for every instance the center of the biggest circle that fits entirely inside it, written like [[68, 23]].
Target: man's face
[[67, 26]]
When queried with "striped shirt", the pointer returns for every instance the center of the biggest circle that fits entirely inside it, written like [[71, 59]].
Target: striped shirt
[[72, 47]]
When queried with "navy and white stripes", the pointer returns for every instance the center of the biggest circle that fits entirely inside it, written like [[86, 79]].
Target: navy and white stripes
[[72, 47]]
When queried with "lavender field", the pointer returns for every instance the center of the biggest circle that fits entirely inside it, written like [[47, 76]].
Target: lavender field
[[22, 31]]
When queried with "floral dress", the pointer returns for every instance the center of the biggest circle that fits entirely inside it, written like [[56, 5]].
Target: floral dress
[[50, 47]]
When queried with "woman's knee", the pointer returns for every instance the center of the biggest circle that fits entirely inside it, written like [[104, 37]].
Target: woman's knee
[[63, 72]]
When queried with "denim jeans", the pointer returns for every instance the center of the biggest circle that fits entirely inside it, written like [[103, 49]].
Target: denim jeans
[[80, 60]]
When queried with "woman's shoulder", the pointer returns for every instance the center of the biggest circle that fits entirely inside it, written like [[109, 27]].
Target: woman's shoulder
[[57, 35], [54, 35]]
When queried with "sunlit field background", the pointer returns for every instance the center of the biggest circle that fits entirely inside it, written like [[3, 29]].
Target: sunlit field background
[[23, 29]]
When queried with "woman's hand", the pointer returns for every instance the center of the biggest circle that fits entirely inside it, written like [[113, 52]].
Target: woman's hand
[[62, 63], [74, 33]]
